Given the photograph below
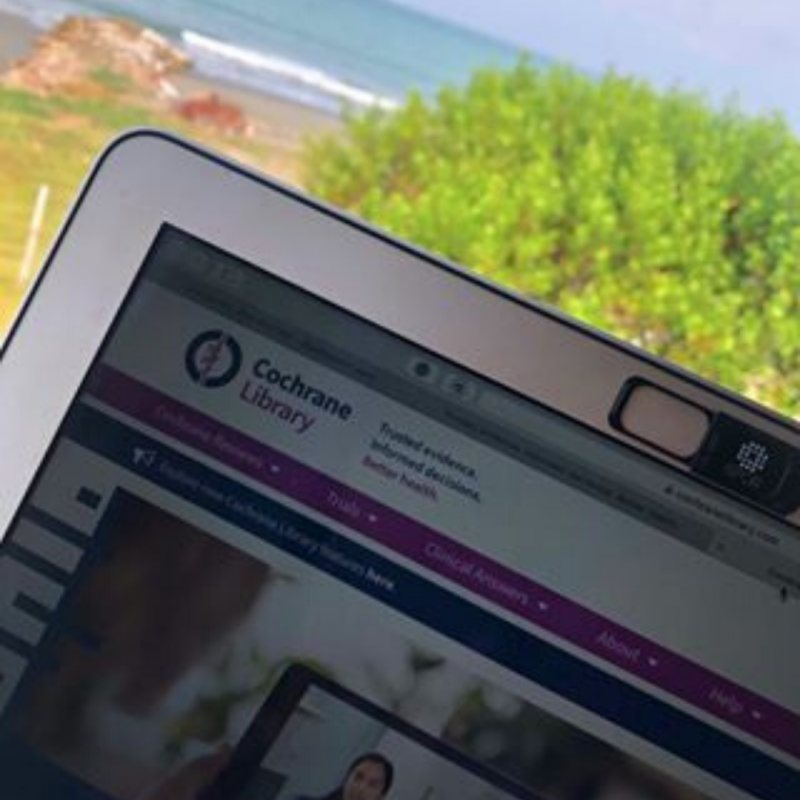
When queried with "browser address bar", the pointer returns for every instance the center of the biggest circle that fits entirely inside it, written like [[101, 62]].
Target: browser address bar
[[582, 460]]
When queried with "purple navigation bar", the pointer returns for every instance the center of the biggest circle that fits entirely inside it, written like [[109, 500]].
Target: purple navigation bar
[[459, 564]]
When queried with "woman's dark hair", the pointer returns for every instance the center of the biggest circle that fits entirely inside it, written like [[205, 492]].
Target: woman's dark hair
[[372, 758]]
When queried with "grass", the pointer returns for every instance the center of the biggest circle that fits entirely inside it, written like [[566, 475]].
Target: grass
[[53, 141]]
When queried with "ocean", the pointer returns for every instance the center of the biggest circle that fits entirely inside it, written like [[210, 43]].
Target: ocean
[[325, 53]]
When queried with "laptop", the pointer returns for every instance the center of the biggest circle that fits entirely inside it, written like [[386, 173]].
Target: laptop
[[294, 509]]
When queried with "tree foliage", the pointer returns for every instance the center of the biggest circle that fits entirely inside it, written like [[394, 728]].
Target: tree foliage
[[651, 215]]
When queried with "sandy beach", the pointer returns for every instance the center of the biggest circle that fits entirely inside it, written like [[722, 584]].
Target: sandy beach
[[280, 124]]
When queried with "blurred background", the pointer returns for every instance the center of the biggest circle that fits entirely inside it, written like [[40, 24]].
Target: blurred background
[[634, 163]]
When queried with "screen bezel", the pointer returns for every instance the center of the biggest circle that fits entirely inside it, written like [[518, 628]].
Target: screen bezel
[[148, 178]]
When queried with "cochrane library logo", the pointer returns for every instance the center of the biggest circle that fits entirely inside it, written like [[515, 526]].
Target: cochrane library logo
[[213, 359], [275, 389]]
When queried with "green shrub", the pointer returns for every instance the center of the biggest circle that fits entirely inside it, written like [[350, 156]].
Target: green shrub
[[649, 214]]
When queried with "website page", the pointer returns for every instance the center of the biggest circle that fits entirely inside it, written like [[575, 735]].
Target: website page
[[277, 552]]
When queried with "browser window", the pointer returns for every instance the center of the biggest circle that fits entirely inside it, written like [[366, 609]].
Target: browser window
[[252, 481]]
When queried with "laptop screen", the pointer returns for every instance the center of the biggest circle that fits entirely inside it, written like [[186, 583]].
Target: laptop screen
[[252, 481]]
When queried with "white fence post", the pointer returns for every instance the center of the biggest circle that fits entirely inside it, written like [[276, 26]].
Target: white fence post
[[34, 232]]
